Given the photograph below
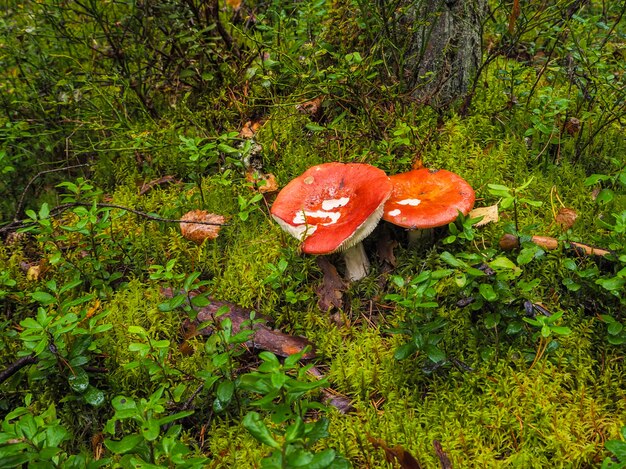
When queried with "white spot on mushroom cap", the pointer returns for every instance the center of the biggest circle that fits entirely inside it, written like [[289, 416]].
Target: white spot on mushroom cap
[[301, 217], [300, 232], [411, 202], [309, 180], [394, 213], [334, 203]]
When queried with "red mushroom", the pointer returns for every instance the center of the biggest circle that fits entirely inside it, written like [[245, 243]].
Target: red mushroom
[[425, 198], [332, 207]]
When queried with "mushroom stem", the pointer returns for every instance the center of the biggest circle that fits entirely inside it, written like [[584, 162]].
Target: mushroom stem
[[416, 236], [357, 264]]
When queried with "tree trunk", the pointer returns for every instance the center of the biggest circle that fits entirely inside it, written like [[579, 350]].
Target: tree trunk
[[443, 49]]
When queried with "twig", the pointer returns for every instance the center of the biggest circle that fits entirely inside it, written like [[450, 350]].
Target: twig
[[20, 204], [56, 211], [17, 366], [509, 242]]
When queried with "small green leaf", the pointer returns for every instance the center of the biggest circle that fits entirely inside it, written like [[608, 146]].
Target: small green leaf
[[405, 351], [435, 354], [225, 391], [295, 431], [94, 396], [314, 127], [150, 429], [605, 196], [560, 330], [43, 297], [615, 328], [492, 320], [514, 327], [79, 381], [595, 178], [257, 428], [324, 459], [487, 292], [126, 444]]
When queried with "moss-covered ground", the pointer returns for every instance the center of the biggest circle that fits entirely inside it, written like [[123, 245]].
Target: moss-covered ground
[[497, 390]]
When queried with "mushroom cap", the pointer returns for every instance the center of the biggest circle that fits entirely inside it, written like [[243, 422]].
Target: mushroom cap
[[426, 198], [332, 206]]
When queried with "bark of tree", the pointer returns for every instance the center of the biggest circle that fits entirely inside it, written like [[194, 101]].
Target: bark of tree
[[443, 47]]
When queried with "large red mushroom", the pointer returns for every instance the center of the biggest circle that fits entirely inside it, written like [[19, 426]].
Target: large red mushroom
[[424, 198], [333, 207]]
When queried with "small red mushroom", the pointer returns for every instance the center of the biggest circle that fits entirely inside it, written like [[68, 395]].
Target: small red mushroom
[[426, 198], [333, 207]]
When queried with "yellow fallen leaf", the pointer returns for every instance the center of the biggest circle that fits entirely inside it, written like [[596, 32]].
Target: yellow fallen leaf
[[489, 214], [33, 272], [234, 4], [264, 183]]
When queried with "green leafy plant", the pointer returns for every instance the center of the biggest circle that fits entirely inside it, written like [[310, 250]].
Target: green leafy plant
[[291, 436], [65, 339], [618, 449], [36, 440], [462, 229], [286, 282], [155, 440]]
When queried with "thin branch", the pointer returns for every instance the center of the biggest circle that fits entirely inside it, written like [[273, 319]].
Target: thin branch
[[20, 204], [17, 366], [56, 211]]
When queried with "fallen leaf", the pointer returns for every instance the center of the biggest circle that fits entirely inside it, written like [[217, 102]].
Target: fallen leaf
[[93, 309], [396, 453], [340, 402], [146, 186], [250, 129], [489, 214], [310, 107], [566, 217], [97, 446], [264, 337], [572, 126], [331, 290], [509, 242], [234, 4], [590, 250], [444, 460], [33, 273], [208, 228], [264, 183]]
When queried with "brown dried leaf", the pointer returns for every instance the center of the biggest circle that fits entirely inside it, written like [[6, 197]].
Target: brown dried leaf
[[489, 214], [97, 446], [444, 460], [264, 183], [250, 129], [590, 250], [198, 232], [310, 107], [566, 217], [396, 453], [340, 402], [572, 126], [146, 186], [331, 290], [264, 338], [234, 4], [546, 242]]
